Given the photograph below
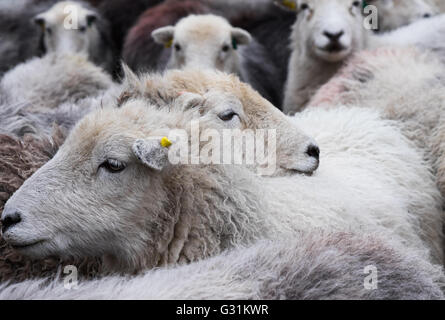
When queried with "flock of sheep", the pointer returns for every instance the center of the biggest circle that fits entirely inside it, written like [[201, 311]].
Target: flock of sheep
[[89, 88]]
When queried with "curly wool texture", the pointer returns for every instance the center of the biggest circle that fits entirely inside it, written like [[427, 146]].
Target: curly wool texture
[[309, 266], [306, 74], [68, 78], [19, 159], [372, 79], [194, 212]]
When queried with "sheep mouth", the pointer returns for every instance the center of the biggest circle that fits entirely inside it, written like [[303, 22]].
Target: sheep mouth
[[25, 246], [334, 47]]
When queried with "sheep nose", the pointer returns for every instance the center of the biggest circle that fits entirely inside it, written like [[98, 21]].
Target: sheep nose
[[333, 36], [9, 219], [313, 151]]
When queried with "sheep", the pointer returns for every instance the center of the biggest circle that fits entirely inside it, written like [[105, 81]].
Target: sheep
[[138, 52], [209, 41], [34, 28], [372, 79], [203, 41], [305, 267], [19, 160], [327, 33], [19, 38], [259, 66], [296, 152], [75, 27], [393, 14], [53, 79], [197, 211]]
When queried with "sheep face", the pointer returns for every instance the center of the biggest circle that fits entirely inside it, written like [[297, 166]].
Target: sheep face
[[329, 30], [397, 13], [220, 95], [95, 197], [222, 111], [203, 41], [68, 28]]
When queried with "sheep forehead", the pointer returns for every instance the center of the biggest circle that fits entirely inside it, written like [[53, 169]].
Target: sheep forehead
[[60, 11], [202, 28], [117, 126], [104, 124]]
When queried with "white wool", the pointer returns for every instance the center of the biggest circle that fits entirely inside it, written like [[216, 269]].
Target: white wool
[[370, 179], [54, 79], [309, 266], [315, 59]]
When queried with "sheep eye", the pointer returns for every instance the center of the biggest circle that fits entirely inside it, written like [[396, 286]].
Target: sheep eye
[[357, 3], [177, 47], [304, 6], [225, 48], [227, 115], [113, 166], [49, 30], [82, 28]]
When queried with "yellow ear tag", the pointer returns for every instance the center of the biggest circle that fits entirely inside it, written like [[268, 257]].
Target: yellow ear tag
[[290, 4], [165, 142], [169, 43]]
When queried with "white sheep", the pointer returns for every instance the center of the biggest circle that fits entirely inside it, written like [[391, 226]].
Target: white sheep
[[296, 152], [196, 211], [203, 41], [309, 266], [373, 79], [54, 79], [210, 42], [327, 33], [75, 27]]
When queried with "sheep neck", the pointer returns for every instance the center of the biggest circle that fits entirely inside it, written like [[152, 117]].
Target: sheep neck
[[216, 207]]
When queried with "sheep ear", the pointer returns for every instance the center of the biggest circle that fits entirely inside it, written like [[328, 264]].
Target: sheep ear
[[240, 36], [288, 5], [152, 152], [131, 80], [164, 35]]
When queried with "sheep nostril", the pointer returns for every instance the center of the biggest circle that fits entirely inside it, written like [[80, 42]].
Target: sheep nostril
[[9, 220], [313, 151], [334, 36], [427, 15]]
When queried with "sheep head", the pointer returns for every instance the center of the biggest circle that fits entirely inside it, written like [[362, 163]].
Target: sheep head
[[224, 102], [203, 41], [100, 195], [68, 27], [112, 191], [329, 30]]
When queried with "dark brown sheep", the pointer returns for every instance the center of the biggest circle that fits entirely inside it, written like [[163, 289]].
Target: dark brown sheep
[[122, 14]]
